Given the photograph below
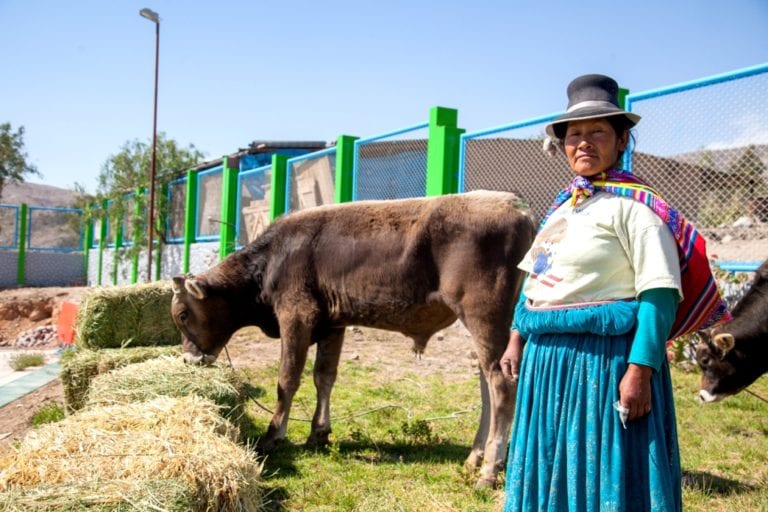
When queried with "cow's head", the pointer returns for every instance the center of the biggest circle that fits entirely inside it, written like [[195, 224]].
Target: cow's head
[[725, 370], [204, 318], [733, 355]]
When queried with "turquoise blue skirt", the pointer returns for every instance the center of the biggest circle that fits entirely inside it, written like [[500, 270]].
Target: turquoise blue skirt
[[569, 450]]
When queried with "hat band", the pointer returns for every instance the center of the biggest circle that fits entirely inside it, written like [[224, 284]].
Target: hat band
[[592, 103]]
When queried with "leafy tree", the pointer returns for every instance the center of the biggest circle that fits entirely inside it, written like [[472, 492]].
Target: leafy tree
[[13, 158], [706, 161], [127, 171], [751, 167]]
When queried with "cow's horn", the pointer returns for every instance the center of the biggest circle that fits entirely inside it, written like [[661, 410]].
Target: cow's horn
[[194, 289], [178, 285], [724, 342]]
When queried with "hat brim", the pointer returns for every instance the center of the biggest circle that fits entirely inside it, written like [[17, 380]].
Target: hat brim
[[590, 113]]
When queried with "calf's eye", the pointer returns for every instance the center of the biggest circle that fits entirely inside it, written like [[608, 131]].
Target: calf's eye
[[183, 316]]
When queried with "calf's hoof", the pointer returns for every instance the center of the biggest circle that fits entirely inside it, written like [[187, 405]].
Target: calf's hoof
[[474, 461], [268, 445], [485, 483], [318, 439]]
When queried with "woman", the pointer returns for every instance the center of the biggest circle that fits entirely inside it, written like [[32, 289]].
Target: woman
[[594, 425]]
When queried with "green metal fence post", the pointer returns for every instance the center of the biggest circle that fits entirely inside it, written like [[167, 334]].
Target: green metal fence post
[[87, 242], [21, 263], [622, 97], [345, 159], [443, 151], [118, 246], [190, 216], [102, 238], [231, 167], [160, 223], [277, 186], [136, 234]]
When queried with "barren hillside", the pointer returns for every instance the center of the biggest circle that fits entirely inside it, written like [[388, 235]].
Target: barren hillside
[[36, 194]]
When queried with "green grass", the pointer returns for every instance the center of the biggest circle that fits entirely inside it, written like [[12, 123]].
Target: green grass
[[724, 448], [23, 361], [51, 412], [399, 443]]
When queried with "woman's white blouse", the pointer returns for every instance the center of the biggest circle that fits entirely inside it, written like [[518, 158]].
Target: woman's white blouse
[[608, 247]]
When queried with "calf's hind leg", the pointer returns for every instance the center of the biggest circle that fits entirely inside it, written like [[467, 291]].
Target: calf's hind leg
[[326, 369], [498, 401]]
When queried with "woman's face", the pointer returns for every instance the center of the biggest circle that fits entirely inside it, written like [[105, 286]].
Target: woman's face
[[592, 146]]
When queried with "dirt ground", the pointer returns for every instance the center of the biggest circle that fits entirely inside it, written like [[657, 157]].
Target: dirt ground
[[449, 352]]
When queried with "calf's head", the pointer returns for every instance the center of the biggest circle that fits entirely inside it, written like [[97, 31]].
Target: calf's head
[[725, 367], [204, 318]]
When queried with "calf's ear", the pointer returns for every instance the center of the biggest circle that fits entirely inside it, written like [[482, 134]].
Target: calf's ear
[[178, 285], [195, 288], [724, 342]]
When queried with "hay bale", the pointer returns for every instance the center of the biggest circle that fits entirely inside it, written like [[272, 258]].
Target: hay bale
[[122, 316], [182, 439], [79, 367], [101, 496], [170, 376]]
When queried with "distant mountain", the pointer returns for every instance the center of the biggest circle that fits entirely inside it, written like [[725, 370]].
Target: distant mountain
[[721, 160], [36, 194]]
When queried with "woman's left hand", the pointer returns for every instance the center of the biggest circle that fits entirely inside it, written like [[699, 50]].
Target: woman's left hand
[[635, 390]]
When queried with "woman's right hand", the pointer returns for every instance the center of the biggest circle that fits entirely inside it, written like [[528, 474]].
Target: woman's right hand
[[510, 360]]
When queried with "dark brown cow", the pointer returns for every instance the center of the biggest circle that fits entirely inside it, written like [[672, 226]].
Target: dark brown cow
[[412, 266], [733, 355]]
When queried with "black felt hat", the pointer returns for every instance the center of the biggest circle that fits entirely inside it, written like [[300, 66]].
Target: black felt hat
[[590, 97]]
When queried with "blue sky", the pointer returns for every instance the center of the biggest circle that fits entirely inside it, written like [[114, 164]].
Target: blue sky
[[78, 75]]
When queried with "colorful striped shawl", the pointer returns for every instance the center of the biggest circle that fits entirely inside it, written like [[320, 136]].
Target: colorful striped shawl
[[702, 305]]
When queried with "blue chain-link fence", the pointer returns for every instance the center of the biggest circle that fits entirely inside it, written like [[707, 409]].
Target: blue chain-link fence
[[704, 145], [9, 226], [252, 203], [310, 180], [511, 158], [392, 165]]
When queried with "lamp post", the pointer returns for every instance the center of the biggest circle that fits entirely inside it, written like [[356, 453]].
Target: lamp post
[[154, 18]]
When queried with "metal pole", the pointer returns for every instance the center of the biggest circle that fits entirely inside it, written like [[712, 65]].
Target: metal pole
[[153, 165]]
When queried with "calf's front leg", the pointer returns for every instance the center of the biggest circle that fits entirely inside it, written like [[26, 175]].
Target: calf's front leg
[[293, 356]]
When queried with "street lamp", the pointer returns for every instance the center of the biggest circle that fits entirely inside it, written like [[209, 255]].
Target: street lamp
[[154, 18]]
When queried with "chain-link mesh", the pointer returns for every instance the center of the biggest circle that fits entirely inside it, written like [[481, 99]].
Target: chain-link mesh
[[208, 204], [310, 180], [705, 148], [9, 226], [511, 158], [252, 203], [391, 166], [55, 229], [177, 198]]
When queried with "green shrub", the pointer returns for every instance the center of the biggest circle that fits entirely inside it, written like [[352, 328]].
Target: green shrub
[[26, 360]]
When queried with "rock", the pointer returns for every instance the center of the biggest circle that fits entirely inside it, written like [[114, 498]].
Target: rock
[[8, 312], [45, 335], [41, 313]]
